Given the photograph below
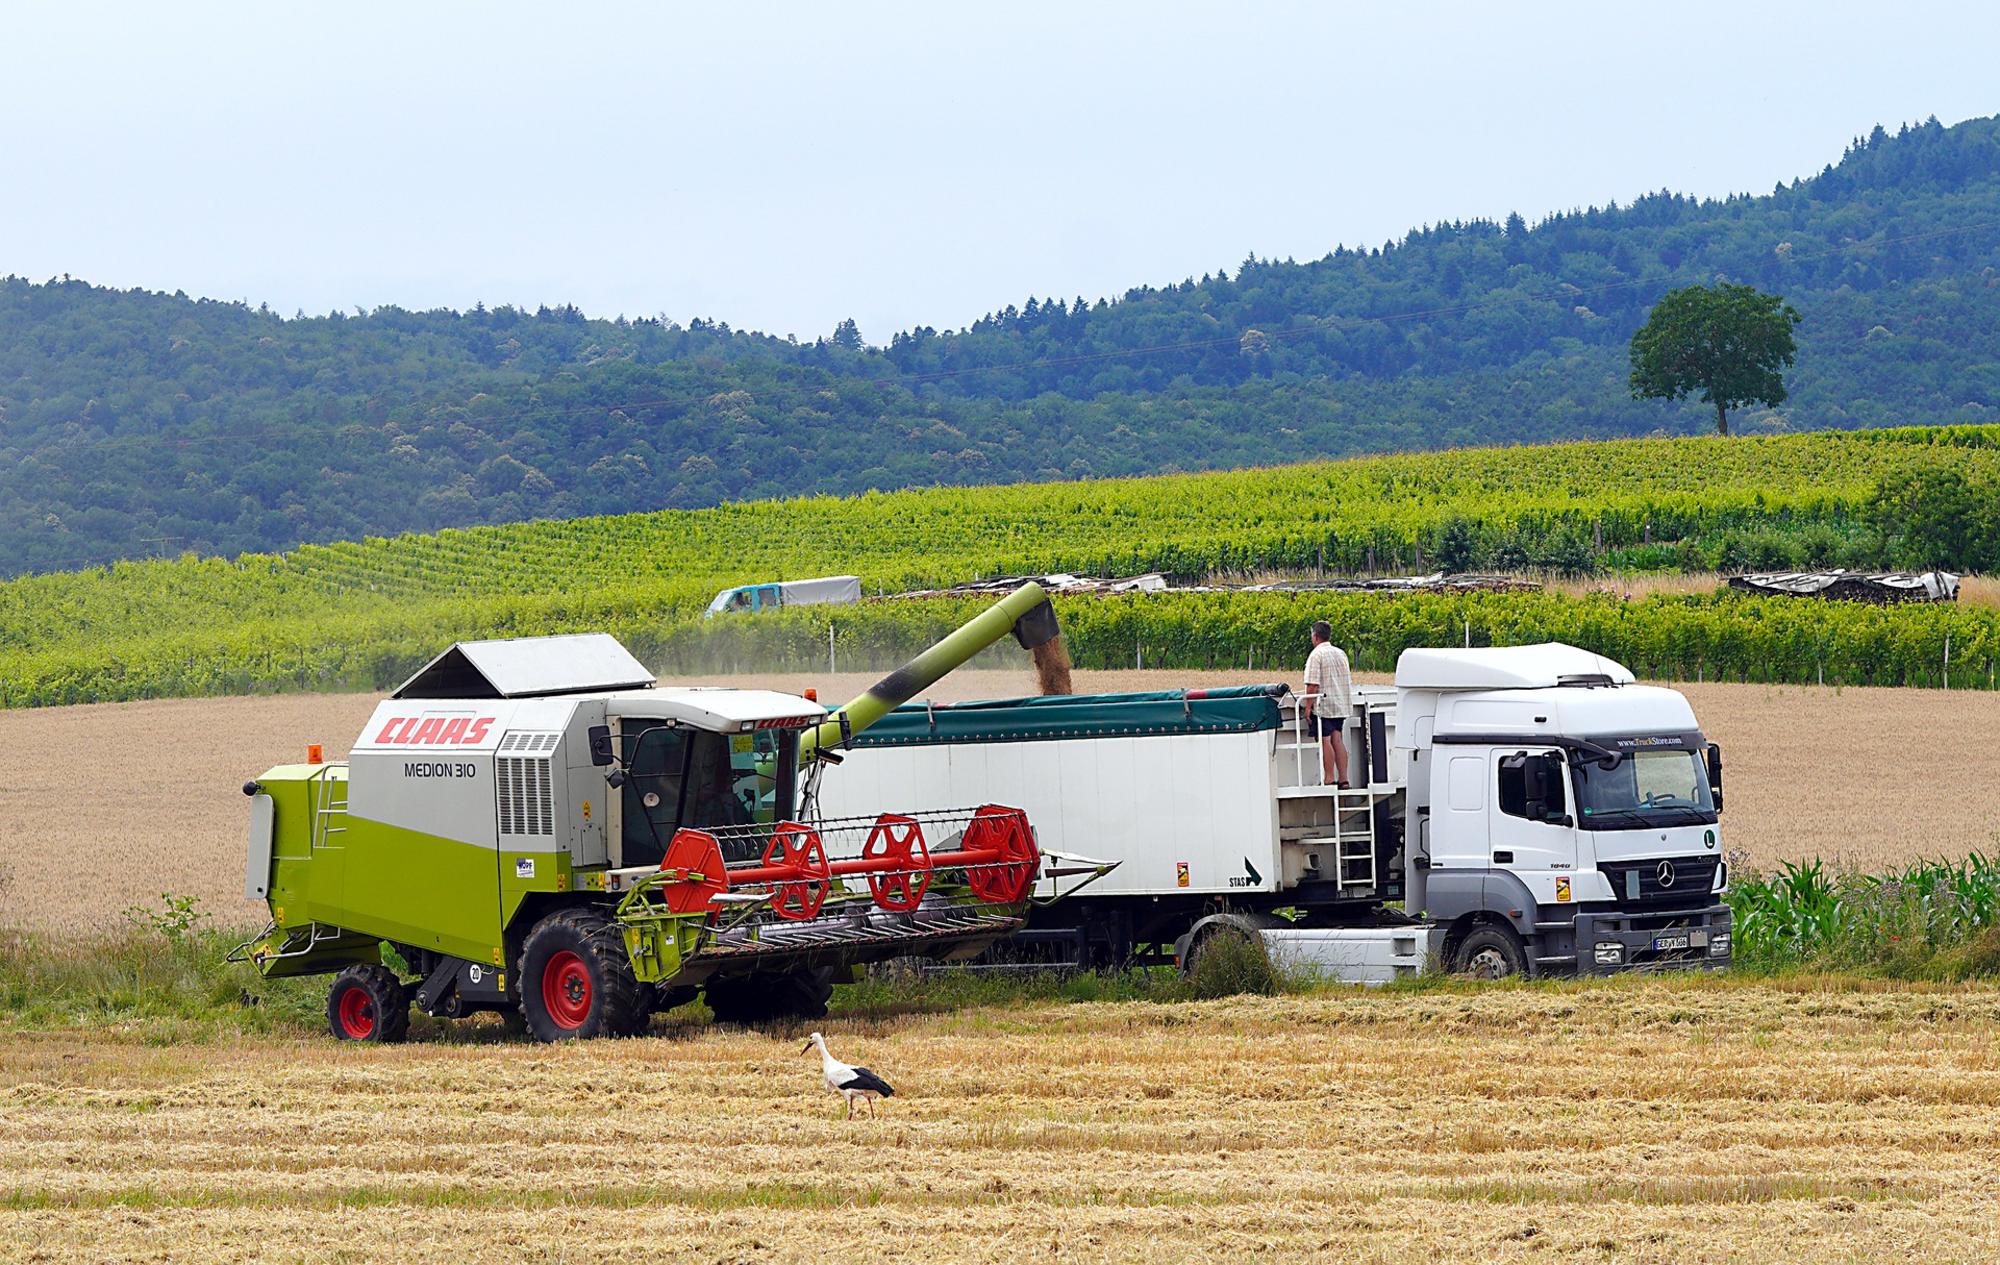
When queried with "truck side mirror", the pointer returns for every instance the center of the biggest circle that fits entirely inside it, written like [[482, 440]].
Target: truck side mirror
[[1715, 774], [600, 745], [1546, 801]]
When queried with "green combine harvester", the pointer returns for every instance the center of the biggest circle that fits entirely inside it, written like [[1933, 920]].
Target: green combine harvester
[[535, 828]]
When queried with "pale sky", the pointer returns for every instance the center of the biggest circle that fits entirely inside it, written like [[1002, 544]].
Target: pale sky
[[782, 166]]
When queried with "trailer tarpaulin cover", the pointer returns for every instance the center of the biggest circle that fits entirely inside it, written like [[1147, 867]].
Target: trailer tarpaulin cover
[[1237, 709], [1854, 586]]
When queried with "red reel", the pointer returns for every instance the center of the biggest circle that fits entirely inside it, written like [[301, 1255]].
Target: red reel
[[897, 845], [695, 860], [1004, 833], [796, 849]]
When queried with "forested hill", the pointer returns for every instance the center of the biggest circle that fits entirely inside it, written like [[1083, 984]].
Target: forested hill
[[135, 423]]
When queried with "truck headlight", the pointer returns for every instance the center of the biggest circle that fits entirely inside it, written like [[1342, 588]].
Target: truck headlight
[[1610, 953], [1718, 945]]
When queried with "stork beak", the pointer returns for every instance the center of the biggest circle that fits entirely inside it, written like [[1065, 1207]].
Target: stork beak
[[807, 1046]]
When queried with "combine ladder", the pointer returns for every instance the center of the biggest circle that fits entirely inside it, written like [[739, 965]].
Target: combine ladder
[[328, 797]]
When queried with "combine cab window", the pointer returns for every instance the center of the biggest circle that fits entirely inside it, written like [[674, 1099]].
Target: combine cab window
[[656, 770], [760, 765], [704, 781]]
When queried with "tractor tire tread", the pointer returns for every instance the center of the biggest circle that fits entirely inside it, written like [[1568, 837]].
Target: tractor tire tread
[[391, 998], [593, 936]]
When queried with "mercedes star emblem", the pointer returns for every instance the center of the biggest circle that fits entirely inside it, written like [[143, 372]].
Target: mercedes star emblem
[[1666, 873]]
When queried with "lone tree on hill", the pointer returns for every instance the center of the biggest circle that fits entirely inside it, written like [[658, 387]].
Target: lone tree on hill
[[1731, 343]]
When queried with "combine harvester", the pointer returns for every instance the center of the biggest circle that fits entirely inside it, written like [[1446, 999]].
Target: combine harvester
[[1528, 810], [536, 830]]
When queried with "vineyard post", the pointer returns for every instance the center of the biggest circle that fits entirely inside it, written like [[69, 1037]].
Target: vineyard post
[[1947, 658], [829, 647]]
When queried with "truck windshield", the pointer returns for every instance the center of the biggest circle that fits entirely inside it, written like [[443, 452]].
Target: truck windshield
[[1665, 787]]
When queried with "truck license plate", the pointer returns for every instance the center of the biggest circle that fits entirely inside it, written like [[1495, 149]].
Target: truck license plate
[[1663, 944]]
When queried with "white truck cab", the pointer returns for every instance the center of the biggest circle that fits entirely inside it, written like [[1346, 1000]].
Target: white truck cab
[[1550, 794]]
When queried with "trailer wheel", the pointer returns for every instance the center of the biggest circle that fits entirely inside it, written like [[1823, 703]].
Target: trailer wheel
[[367, 1003], [576, 979], [1489, 952], [763, 998]]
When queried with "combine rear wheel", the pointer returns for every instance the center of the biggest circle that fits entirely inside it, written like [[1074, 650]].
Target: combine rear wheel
[[764, 998], [367, 1003], [576, 980]]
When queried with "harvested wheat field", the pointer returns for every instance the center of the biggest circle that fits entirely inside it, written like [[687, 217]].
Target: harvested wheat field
[[1810, 772], [1631, 1120]]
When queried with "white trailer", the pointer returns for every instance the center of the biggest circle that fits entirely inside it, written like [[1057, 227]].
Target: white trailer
[[830, 590], [1528, 809]]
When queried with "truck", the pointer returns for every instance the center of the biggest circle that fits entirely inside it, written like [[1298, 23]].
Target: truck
[[1527, 810], [837, 590], [536, 827]]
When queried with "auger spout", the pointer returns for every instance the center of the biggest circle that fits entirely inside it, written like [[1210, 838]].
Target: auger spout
[[1026, 612]]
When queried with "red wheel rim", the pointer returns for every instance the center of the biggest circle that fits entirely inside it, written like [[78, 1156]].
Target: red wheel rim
[[566, 989], [357, 1014]]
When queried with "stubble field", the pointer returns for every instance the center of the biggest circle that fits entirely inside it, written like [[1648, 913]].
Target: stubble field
[[1630, 1121], [147, 793]]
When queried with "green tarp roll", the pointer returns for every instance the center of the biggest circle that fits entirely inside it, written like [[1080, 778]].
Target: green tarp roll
[[1044, 718]]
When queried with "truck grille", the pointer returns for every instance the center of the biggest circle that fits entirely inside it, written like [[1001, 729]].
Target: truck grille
[[1642, 882]]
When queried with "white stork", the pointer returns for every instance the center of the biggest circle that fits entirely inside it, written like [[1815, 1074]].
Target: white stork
[[855, 1084]]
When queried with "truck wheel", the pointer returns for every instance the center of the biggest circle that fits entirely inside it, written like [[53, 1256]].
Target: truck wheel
[[367, 1003], [576, 979], [1490, 953], [763, 998]]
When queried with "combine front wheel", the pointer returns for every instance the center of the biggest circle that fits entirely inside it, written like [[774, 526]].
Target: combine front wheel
[[367, 1003], [576, 979]]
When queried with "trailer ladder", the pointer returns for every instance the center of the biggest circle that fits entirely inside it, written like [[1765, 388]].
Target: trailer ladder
[[1352, 840]]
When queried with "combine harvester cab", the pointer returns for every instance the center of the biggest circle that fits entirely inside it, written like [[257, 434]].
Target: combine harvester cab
[[531, 826]]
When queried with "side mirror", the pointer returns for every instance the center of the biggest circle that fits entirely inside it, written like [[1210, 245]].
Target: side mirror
[[600, 745], [615, 779], [1715, 774], [1546, 801]]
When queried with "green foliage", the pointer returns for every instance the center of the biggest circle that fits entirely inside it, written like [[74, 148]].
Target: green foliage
[[1227, 964], [176, 920], [1939, 518], [141, 424], [174, 981], [1930, 920], [1729, 342], [363, 615]]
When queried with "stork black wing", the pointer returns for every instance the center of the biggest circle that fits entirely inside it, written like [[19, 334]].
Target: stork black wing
[[865, 1079]]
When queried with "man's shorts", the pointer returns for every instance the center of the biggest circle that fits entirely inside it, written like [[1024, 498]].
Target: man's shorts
[[1327, 726]]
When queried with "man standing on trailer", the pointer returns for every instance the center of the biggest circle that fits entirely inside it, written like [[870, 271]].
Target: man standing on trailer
[[1330, 691]]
